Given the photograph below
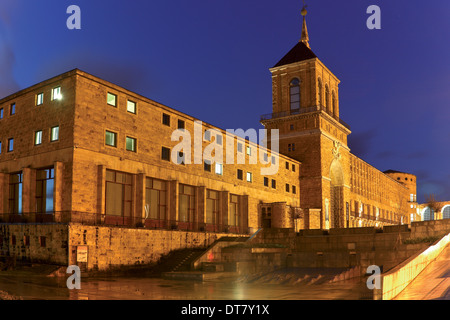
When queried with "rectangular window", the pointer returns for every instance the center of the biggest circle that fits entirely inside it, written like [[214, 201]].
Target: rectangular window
[[119, 196], [56, 93], [219, 169], [219, 139], [166, 119], [233, 214], [240, 174], [288, 189], [212, 207], [11, 145], [239, 147], [111, 139], [39, 99], [38, 138], [15, 193], [249, 151], [293, 168], [266, 182], [266, 157], [1, 113], [26, 240], [111, 99], [181, 124], [0, 147], [207, 135], [274, 184], [131, 107], [287, 165], [45, 181], [42, 241], [207, 165], [249, 177], [274, 160], [155, 199], [186, 203], [294, 189], [165, 154], [12, 110], [54, 134], [131, 144]]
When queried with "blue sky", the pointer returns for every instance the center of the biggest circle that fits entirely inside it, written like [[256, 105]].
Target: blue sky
[[210, 59]]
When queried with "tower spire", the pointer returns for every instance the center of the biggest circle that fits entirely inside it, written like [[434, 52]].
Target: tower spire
[[305, 36]]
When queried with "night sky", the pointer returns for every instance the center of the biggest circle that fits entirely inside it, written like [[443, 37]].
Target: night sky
[[210, 59]]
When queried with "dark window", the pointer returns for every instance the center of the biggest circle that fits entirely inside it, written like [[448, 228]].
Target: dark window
[[293, 168], [12, 110], [274, 184], [42, 241], [233, 213], [166, 119], [287, 165], [294, 91], [212, 207], [45, 182], [26, 240], [266, 181], [287, 188], [240, 174], [13, 240], [15, 192], [11, 145], [207, 165], [181, 124], [294, 189], [165, 154]]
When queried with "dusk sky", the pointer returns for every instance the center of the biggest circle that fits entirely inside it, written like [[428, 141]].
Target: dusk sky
[[211, 59]]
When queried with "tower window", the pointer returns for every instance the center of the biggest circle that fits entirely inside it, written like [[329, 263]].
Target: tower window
[[294, 92], [327, 98]]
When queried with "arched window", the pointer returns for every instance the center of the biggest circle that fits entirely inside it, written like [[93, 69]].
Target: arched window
[[320, 93], [327, 98], [446, 213], [428, 214], [294, 91]]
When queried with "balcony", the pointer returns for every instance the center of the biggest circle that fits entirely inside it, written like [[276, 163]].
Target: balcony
[[282, 114]]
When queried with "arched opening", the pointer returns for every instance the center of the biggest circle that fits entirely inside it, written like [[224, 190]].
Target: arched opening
[[294, 92], [446, 212], [428, 214], [320, 93], [327, 99], [336, 195], [334, 104]]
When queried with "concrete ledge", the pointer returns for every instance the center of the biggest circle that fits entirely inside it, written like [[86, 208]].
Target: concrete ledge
[[401, 276]]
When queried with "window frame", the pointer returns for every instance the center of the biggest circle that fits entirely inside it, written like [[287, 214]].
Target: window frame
[[165, 117], [58, 95], [134, 144], [38, 134], [39, 101], [115, 99], [163, 149], [134, 106], [115, 138], [52, 134]]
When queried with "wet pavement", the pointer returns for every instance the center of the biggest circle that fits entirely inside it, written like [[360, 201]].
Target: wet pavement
[[36, 287]]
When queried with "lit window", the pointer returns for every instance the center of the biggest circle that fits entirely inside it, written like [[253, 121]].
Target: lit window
[[1, 113], [131, 106], [249, 177], [219, 169], [111, 99], [38, 138], [12, 110], [56, 93], [249, 151], [111, 139], [11, 145], [131, 144], [39, 99], [0, 147], [54, 134]]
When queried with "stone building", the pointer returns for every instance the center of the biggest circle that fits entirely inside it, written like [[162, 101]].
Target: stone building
[[78, 150]]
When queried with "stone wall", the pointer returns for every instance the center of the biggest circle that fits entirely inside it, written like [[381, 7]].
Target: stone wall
[[114, 247], [35, 243]]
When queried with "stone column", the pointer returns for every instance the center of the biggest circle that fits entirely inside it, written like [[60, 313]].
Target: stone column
[[58, 187], [101, 192], [4, 193]]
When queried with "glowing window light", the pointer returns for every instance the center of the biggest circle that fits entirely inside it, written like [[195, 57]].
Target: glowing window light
[[56, 93]]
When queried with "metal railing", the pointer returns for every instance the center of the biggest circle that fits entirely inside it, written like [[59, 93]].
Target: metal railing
[[282, 114], [97, 219]]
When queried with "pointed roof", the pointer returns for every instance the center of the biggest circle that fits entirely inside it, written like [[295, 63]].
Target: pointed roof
[[298, 53], [302, 50]]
